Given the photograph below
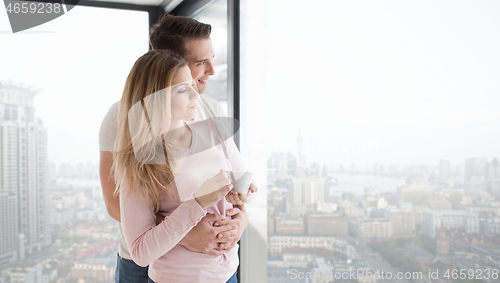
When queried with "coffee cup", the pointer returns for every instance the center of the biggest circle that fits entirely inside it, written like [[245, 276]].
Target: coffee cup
[[242, 180]]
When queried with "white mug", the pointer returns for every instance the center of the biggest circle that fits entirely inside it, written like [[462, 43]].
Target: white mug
[[242, 180]]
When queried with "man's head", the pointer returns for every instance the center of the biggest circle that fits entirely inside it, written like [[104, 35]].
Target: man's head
[[190, 39]]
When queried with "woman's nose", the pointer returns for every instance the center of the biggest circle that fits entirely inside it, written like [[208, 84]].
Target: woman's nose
[[193, 94]]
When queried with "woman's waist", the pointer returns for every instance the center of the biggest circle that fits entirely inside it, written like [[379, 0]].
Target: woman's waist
[[180, 262], [180, 253]]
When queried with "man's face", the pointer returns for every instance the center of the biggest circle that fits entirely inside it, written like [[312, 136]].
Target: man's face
[[199, 56]]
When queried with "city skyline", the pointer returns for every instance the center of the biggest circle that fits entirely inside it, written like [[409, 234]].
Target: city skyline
[[443, 220]]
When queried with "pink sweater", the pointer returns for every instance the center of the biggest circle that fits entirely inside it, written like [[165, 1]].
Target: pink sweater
[[157, 246]]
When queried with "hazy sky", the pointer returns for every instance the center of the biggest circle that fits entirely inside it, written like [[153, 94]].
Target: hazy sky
[[367, 81], [79, 63], [385, 81]]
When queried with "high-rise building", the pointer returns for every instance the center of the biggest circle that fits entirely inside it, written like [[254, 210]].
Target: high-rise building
[[304, 195], [24, 167], [403, 222], [370, 228], [493, 181], [276, 243], [444, 170], [418, 195], [8, 229], [301, 163], [326, 224], [451, 219], [27, 273], [290, 225], [475, 171]]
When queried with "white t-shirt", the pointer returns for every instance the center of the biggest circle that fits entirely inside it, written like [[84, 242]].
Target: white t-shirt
[[207, 107]]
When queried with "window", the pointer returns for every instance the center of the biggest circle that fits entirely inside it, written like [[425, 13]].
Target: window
[[375, 92], [67, 73], [215, 14]]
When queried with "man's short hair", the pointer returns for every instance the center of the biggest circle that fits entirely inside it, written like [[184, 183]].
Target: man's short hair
[[171, 32]]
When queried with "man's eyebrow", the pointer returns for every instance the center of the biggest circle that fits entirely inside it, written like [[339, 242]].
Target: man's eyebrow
[[203, 60]]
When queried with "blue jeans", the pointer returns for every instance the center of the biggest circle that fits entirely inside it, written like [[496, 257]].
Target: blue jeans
[[129, 272], [233, 279]]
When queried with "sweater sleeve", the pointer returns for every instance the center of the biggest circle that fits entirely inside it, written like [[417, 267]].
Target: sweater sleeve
[[145, 240]]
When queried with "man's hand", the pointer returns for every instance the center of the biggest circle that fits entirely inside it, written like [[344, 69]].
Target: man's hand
[[239, 220], [205, 238]]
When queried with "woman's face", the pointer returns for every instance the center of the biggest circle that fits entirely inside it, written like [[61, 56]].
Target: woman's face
[[184, 96]]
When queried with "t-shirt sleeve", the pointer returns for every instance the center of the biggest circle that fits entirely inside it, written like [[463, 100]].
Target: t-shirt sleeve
[[108, 130], [147, 241], [211, 108], [220, 112]]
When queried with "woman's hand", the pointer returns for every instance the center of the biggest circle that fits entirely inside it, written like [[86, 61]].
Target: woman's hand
[[213, 190], [238, 198]]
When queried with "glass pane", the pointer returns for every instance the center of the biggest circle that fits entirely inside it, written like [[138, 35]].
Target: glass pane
[[383, 145], [216, 15], [57, 82]]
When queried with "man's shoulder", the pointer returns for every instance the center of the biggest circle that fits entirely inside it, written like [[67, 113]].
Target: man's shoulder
[[210, 107], [208, 100], [114, 107], [107, 131], [112, 111]]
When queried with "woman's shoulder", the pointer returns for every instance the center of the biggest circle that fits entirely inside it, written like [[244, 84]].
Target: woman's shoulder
[[225, 127]]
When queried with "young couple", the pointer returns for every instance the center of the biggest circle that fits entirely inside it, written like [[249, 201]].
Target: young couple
[[182, 239]]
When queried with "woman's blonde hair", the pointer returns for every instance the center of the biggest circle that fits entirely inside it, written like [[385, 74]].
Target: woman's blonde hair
[[143, 162]]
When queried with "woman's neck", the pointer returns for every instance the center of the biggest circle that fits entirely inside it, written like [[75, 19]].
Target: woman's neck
[[179, 134]]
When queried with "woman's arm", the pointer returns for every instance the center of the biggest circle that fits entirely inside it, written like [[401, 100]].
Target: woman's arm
[[148, 242]]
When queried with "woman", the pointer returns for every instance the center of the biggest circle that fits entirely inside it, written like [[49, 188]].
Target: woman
[[157, 172]]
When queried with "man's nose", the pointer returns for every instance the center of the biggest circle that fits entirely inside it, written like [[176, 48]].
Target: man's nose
[[209, 69]]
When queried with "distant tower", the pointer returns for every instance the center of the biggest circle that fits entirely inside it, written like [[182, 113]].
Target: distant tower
[[300, 157], [442, 245], [24, 167]]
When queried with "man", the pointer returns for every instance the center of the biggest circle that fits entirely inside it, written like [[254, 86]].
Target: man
[[190, 39]]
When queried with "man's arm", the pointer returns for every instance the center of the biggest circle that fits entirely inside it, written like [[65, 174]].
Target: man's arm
[[239, 218], [205, 238], [108, 185]]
